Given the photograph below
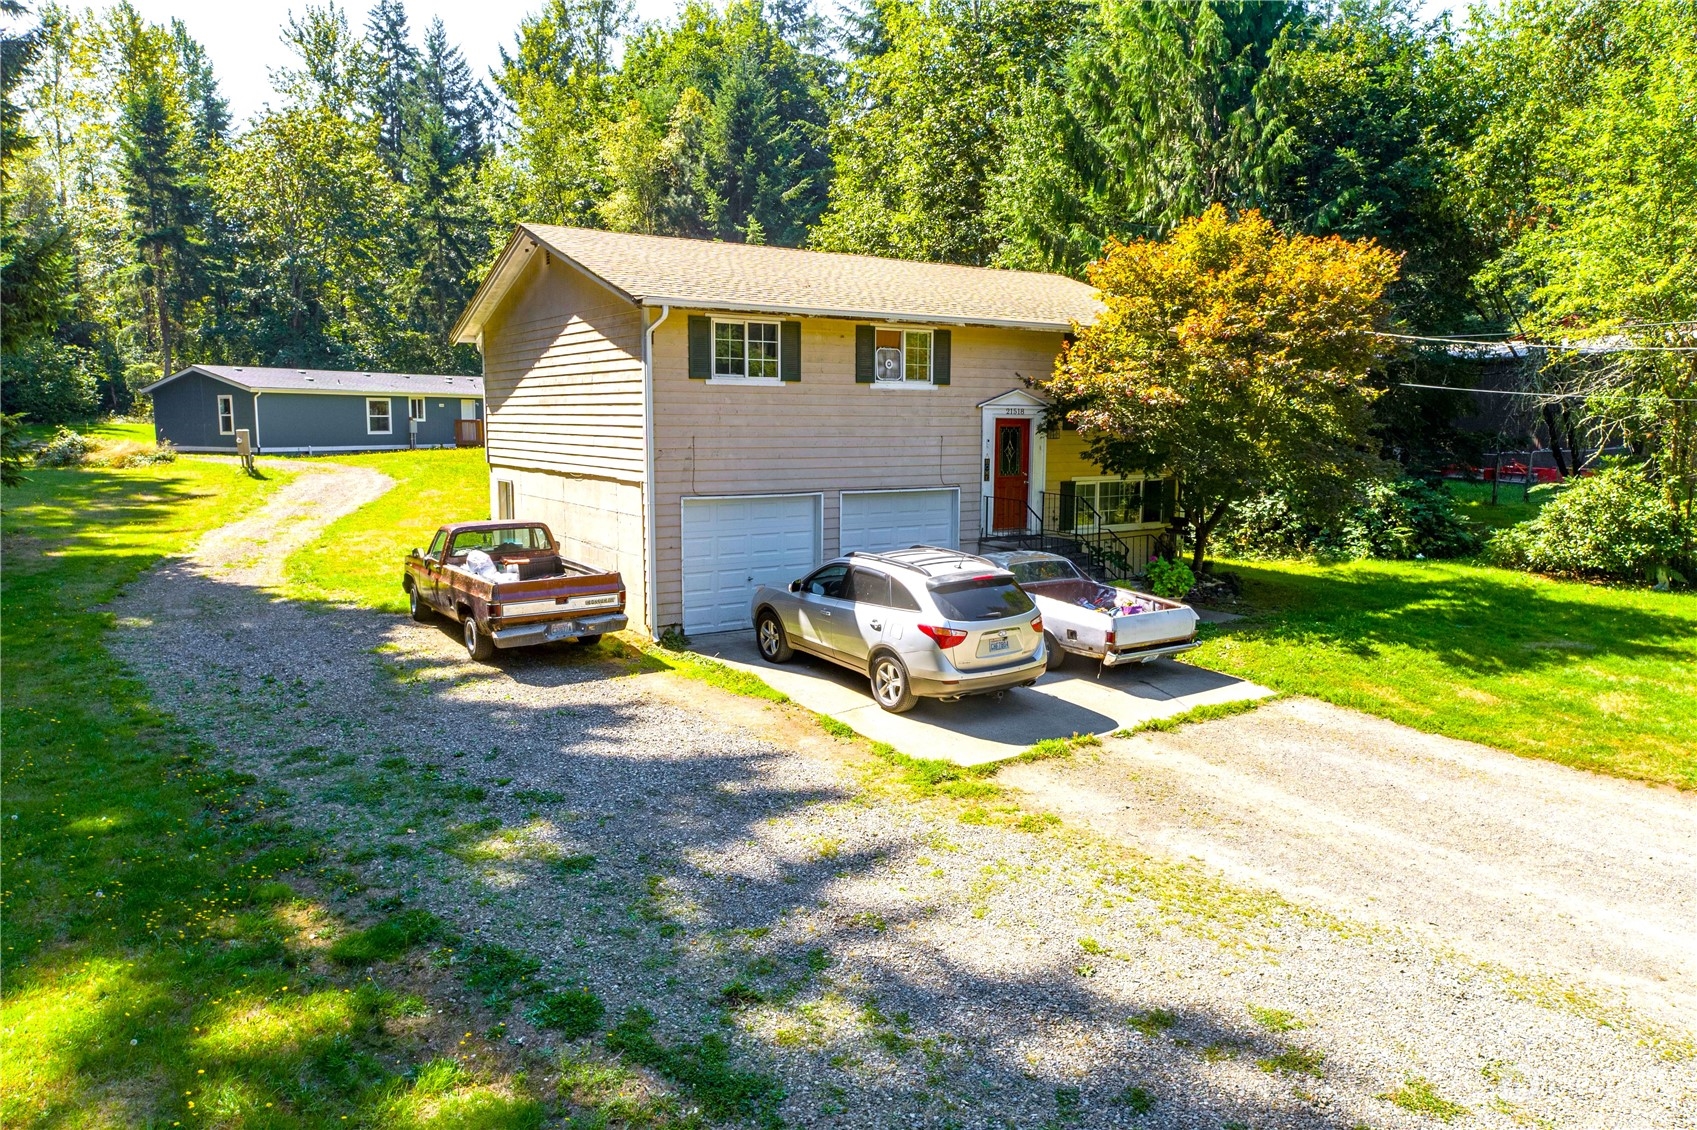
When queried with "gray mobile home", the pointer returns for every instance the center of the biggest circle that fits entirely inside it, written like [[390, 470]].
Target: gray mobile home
[[307, 411]]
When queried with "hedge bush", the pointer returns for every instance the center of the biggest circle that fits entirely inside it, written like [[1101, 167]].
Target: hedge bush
[[1396, 520], [1614, 525]]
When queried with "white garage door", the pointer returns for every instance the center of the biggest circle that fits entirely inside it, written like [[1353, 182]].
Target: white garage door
[[891, 519], [731, 546]]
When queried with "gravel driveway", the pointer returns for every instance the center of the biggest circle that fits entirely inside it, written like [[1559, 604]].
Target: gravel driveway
[[896, 959]]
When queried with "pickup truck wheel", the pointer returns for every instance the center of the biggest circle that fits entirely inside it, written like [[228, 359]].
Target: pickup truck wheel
[[1057, 654], [416, 605], [477, 642], [769, 635], [890, 685]]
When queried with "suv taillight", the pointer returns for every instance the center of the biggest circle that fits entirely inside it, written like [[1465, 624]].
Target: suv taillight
[[945, 637]]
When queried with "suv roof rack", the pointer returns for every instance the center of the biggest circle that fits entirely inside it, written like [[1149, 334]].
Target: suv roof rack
[[925, 558], [952, 554], [882, 559]]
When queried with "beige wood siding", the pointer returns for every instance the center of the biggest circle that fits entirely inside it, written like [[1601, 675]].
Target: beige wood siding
[[562, 370], [596, 521], [825, 433]]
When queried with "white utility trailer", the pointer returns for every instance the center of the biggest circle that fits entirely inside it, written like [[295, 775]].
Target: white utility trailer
[[1084, 617]]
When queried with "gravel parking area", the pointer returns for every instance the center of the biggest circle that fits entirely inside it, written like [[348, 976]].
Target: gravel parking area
[[891, 959]]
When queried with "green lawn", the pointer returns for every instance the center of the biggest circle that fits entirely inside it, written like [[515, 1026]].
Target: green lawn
[[1513, 505], [358, 559], [135, 431], [1593, 677], [157, 972]]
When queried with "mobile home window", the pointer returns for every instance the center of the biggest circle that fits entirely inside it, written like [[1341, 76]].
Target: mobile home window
[[377, 416], [903, 357], [745, 350], [415, 408], [226, 415]]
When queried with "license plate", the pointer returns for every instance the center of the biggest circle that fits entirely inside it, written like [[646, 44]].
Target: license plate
[[1003, 644], [561, 630]]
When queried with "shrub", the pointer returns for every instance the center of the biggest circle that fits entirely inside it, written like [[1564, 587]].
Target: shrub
[[50, 383], [1170, 578], [1614, 524], [1396, 520], [65, 449], [128, 453]]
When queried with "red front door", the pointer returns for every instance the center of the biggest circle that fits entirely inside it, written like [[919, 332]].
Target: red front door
[[1011, 483]]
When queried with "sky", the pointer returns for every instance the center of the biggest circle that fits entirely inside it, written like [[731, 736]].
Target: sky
[[244, 40], [244, 36]]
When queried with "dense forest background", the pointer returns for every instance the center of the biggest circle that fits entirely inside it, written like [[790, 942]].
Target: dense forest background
[[1535, 168]]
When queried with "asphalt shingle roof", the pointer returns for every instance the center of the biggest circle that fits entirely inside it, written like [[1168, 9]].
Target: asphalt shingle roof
[[653, 269], [337, 380]]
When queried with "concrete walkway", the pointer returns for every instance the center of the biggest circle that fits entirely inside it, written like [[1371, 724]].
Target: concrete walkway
[[1081, 698]]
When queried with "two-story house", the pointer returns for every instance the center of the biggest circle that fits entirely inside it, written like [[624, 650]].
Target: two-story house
[[708, 417]]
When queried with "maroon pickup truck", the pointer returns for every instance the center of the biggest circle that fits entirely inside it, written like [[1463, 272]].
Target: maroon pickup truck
[[508, 586]]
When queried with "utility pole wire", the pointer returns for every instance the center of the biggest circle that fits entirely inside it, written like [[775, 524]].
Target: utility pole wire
[[1549, 395], [1553, 347]]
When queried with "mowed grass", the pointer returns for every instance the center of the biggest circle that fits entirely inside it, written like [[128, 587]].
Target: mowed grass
[[158, 970], [359, 559], [1513, 505], [1593, 677], [111, 431]]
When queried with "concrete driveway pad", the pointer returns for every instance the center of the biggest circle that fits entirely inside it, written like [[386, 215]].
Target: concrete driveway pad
[[1081, 698]]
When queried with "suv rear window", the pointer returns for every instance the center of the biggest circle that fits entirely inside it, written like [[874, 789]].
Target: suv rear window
[[982, 598]]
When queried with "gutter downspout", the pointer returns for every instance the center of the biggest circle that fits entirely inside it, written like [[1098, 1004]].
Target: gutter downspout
[[257, 445], [651, 553]]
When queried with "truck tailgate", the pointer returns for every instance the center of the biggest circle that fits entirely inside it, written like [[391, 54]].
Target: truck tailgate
[[1147, 628], [547, 597]]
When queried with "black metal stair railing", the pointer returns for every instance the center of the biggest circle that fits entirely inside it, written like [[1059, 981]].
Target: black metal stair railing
[[1071, 527]]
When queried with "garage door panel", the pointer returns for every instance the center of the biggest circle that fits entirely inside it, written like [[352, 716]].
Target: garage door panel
[[732, 546], [879, 520]]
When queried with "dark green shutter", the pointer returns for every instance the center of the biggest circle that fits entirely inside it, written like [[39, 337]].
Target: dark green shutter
[[1169, 499], [1069, 506], [940, 345], [865, 353], [700, 347], [789, 351]]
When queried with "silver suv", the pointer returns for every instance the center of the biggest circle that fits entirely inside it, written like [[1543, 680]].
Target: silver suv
[[919, 623]]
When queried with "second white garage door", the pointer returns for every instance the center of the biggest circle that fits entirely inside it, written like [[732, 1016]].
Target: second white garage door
[[892, 519], [732, 546]]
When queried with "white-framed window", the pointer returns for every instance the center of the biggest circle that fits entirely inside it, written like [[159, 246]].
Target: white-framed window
[[903, 357], [745, 351], [415, 408], [503, 500], [377, 416], [1121, 503], [226, 415]]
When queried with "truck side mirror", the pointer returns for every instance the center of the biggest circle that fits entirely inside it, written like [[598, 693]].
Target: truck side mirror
[[795, 586]]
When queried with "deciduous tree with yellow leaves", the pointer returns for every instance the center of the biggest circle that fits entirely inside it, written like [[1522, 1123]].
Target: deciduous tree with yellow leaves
[[1235, 357]]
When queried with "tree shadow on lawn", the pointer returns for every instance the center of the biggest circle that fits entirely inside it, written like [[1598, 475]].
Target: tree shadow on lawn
[[551, 809], [1482, 620]]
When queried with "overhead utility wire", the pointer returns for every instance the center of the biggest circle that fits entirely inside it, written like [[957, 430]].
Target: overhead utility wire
[[1539, 344], [1545, 395]]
